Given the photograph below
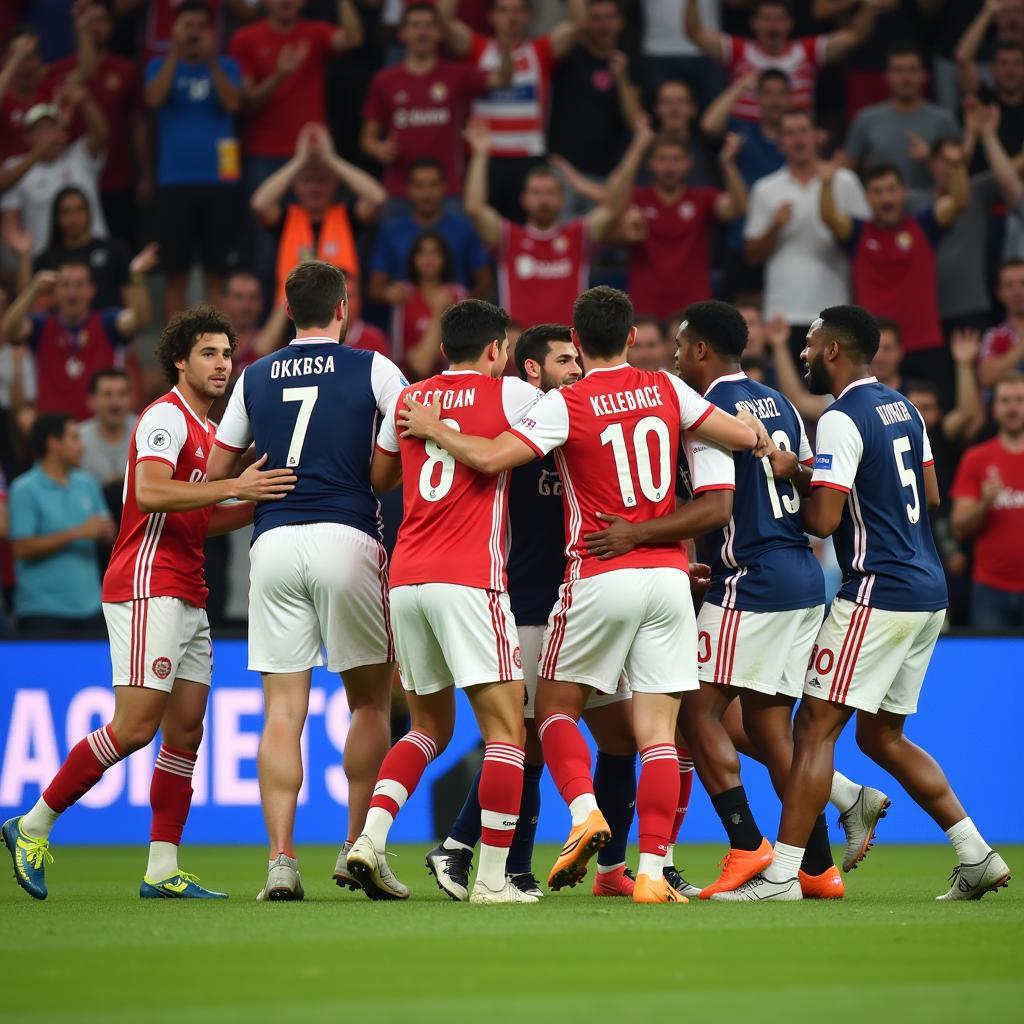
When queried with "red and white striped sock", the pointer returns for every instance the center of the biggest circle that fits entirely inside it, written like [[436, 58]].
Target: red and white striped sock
[[88, 759], [500, 793], [657, 796], [400, 774], [568, 759], [170, 797]]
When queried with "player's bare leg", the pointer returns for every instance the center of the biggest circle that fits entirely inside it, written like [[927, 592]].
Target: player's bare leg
[[567, 756], [279, 762], [498, 708], [170, 793], [657, 795], [432, 721], [615, 791]]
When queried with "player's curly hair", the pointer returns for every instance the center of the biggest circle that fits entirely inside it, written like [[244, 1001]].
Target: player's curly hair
[[854, 328], [184, 330], [718, 325]]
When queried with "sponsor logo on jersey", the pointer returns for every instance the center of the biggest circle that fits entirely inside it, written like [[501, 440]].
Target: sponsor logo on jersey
[[162, 668], [823, 462], [527, 267]]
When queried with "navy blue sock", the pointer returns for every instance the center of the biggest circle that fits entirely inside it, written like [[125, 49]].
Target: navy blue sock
[[520, 855], [615, 790], [466, 827]]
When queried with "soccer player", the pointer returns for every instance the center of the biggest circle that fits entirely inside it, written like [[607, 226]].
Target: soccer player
[[318, 569], [617, 432], [449, 608], [872, 482], [154, 598], [547, 359], [760, 617]]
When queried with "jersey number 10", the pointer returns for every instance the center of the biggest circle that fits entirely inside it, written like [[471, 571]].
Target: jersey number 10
[[615, 436]]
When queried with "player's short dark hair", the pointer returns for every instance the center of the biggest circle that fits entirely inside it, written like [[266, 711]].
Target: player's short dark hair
[[192, 7], [420, 5], [184, 330], [718, 325], [854, 328], [313, 290], [535, 342], [773, 75], [645, 320], [425, 162], [48, 426], [602, 318], [107, 373], [902, 48], [883, 170], [468, 327], [886, 324]]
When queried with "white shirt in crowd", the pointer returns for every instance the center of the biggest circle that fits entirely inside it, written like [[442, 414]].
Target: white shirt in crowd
[[663, 27]]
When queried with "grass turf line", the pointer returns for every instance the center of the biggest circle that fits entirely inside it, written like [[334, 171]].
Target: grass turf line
[[95, 951]]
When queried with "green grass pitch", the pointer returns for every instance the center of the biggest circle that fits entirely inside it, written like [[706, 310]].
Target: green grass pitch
[[95, 952]]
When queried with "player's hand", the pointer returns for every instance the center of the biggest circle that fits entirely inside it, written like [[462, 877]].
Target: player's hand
[[419, 420], [785, 465], [146, 259], [618, 538], [257, 484], [991, 487], [965, 344], [700, 580], [764, 442]]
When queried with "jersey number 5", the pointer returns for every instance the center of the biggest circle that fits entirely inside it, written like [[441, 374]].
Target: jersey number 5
[[437, 456], [615, 436], [908, 478]]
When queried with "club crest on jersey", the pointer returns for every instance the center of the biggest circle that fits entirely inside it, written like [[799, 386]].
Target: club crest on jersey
[[162, 668], [517, 658], [159, 440], [823, 462]]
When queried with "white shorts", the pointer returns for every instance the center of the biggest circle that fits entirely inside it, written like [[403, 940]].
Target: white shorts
[[872, 659], [763, 651], [449, 635], [314, 586], [155, 640], [637, 621], [531, 642]]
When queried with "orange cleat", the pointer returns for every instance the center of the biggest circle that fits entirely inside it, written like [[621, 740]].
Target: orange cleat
[[583, 842], [739, 866], [826, 886], [655, 890], [619, 882]]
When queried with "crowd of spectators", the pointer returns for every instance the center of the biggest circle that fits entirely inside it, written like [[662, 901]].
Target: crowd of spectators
[[785, 156]]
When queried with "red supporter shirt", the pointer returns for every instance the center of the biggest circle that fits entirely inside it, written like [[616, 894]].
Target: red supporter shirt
[[424, 114], [409, 322], [455, 520], [998, 551], [540, 273], [300, 99], [895, 276], [999, 340], [362, 335], [801, 61], [671, 267], [615, 434], [160, 554], [117, 89]]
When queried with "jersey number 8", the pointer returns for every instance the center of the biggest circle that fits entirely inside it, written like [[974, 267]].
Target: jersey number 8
[[437, 456]]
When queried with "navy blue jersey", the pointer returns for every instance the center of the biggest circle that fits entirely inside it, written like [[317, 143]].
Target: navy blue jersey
[[314, 407], [873, 446], [536, 561], [762, 561]]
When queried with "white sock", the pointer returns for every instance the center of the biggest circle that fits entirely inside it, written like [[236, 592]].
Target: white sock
[[967, 841], [651, 865], [491, 871], [163, 861], [786, 863], [604, 869], [454, 844], [378, 825], [670, 860], [38, 823], [581, 807], [844, 793], [292, 861]]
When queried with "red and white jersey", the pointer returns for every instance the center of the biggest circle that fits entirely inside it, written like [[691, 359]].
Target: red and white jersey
[[617, 433], [800, 61], [540, 272], [516, 113], [455, 520], [160, 554]]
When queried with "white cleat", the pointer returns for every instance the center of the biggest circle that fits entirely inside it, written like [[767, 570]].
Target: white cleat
[[344, 878], [972, 881], [526, 881], [369, 866], [283, 881], [760, 888], [509, 893], [860, 822], [451, 869]]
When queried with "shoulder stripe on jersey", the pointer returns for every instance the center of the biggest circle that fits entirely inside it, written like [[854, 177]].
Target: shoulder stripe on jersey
[[714, 487], [155, 458], [700, 419], [384, 451], [830, 485], [228, 447]]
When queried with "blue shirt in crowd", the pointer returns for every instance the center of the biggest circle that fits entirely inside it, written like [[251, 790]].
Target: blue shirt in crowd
[[396, 238]]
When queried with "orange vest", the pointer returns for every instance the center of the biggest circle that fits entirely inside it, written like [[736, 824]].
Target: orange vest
[[336, 243]]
